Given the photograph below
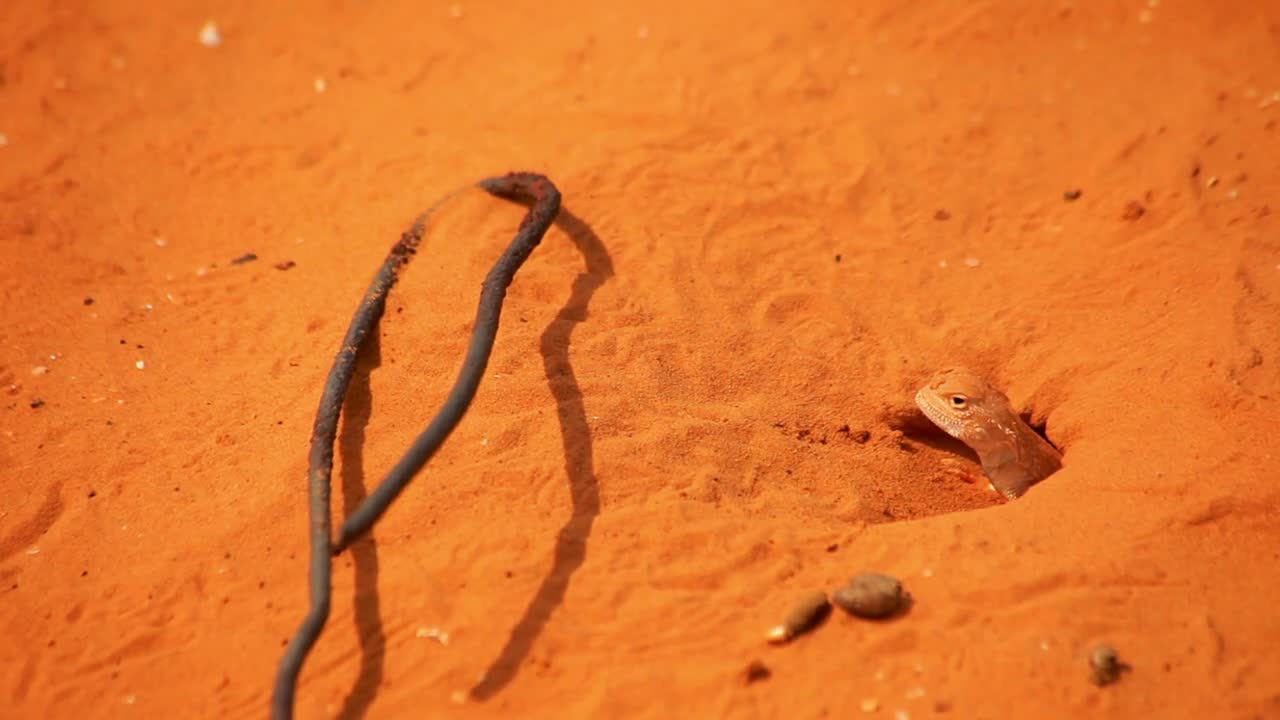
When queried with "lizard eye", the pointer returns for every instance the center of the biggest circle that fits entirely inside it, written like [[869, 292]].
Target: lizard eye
[[958, 401]]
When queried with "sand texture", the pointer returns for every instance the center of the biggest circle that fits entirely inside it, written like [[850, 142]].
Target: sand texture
[[779, 220]]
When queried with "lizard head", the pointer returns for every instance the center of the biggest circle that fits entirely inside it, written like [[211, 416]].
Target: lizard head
[[964, 406]]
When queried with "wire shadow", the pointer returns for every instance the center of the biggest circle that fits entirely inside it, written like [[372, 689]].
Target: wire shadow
[[364, 552], [584, 490]]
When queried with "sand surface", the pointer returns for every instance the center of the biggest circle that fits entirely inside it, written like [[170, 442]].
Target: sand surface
[[780, 218]]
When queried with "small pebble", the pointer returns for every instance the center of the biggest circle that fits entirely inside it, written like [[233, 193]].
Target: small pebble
[[284, 265], [1133, 211], [210, 36], [756, 672], [88, 301], [140, 365], [39, 370], [432, 633], [247, 257], [4, 139], [1072, 195], [869, 705], [972, 262], [942, 215], [36, 404], [1105, 665], [320, 85], [811, 610], [871, 595], [161, 242]]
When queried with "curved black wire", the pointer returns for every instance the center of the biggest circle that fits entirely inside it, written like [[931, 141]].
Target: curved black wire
[[545, 200]]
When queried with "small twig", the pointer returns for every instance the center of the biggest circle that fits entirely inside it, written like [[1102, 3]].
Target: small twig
[[517, 186], [546, 204]]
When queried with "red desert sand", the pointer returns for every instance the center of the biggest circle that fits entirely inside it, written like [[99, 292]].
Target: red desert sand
[[780, 219]]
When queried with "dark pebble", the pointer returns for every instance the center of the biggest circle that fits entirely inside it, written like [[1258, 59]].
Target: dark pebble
[[871, 595], [756, 672], [1105, 665]]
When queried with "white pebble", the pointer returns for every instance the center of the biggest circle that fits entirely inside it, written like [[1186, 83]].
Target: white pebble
[[942, 264], [972, 262], [34, 551], [140, 365], [320, 85], [433, 633], [484, 441], [130, 699], [39, 370], [210, 35], [161, 241], [927, 572]]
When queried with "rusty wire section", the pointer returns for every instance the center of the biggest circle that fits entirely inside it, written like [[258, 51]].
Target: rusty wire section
[[545, 205]]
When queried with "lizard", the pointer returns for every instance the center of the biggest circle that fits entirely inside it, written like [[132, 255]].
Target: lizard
[[1014, 457]]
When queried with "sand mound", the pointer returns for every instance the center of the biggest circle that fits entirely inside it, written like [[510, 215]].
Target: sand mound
[[779, 221]]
